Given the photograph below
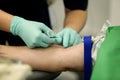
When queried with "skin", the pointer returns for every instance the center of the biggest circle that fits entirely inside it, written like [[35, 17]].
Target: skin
[[75, 19], [5, 20], [52, 59]]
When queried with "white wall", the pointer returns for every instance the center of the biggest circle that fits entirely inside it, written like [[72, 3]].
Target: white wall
[[115, 12], [57, 15], [98, 12]]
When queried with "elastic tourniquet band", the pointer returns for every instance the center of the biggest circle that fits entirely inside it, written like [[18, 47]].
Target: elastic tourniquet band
[[87, 57]]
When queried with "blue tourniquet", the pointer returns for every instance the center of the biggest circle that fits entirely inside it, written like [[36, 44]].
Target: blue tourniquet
[[87, 57]]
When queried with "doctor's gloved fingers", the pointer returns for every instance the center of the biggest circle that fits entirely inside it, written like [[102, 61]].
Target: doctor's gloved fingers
[[72, 39], [77, 41], [38, 44], [42, 44], [51, 34], [58, 40], [48, 31], [66, 39], [47, 39], [59, 37]]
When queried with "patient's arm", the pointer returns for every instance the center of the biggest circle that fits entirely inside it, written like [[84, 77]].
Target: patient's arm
[[54, 58]]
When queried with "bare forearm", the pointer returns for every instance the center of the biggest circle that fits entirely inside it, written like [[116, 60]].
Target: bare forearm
[[38, 59], [75, 57], [52, 59], [75, 19], [5, 20]]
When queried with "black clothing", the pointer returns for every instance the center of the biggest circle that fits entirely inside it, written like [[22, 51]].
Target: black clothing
[[32, 10], [29, 9], [76, 4]]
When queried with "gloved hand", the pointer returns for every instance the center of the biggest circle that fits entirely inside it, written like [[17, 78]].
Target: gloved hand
[[68, 37], [34, 34]]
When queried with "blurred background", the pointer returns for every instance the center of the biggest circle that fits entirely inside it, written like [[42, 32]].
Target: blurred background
[[98, 12]]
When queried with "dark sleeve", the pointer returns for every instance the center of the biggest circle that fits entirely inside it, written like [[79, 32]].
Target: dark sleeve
[[76, 4]]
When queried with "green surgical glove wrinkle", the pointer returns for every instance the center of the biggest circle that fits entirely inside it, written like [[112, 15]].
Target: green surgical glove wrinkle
[[34, 34], [68, 37]]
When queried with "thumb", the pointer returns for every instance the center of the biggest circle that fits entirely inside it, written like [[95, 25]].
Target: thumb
[[59, 37], [58, 40], [47, 31]]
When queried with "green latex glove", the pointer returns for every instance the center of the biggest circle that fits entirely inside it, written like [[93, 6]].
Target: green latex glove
[[34, 34], [68, 37], [107, 66]]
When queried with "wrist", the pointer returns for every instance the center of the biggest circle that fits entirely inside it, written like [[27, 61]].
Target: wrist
[[75, 28], [70, 28]]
